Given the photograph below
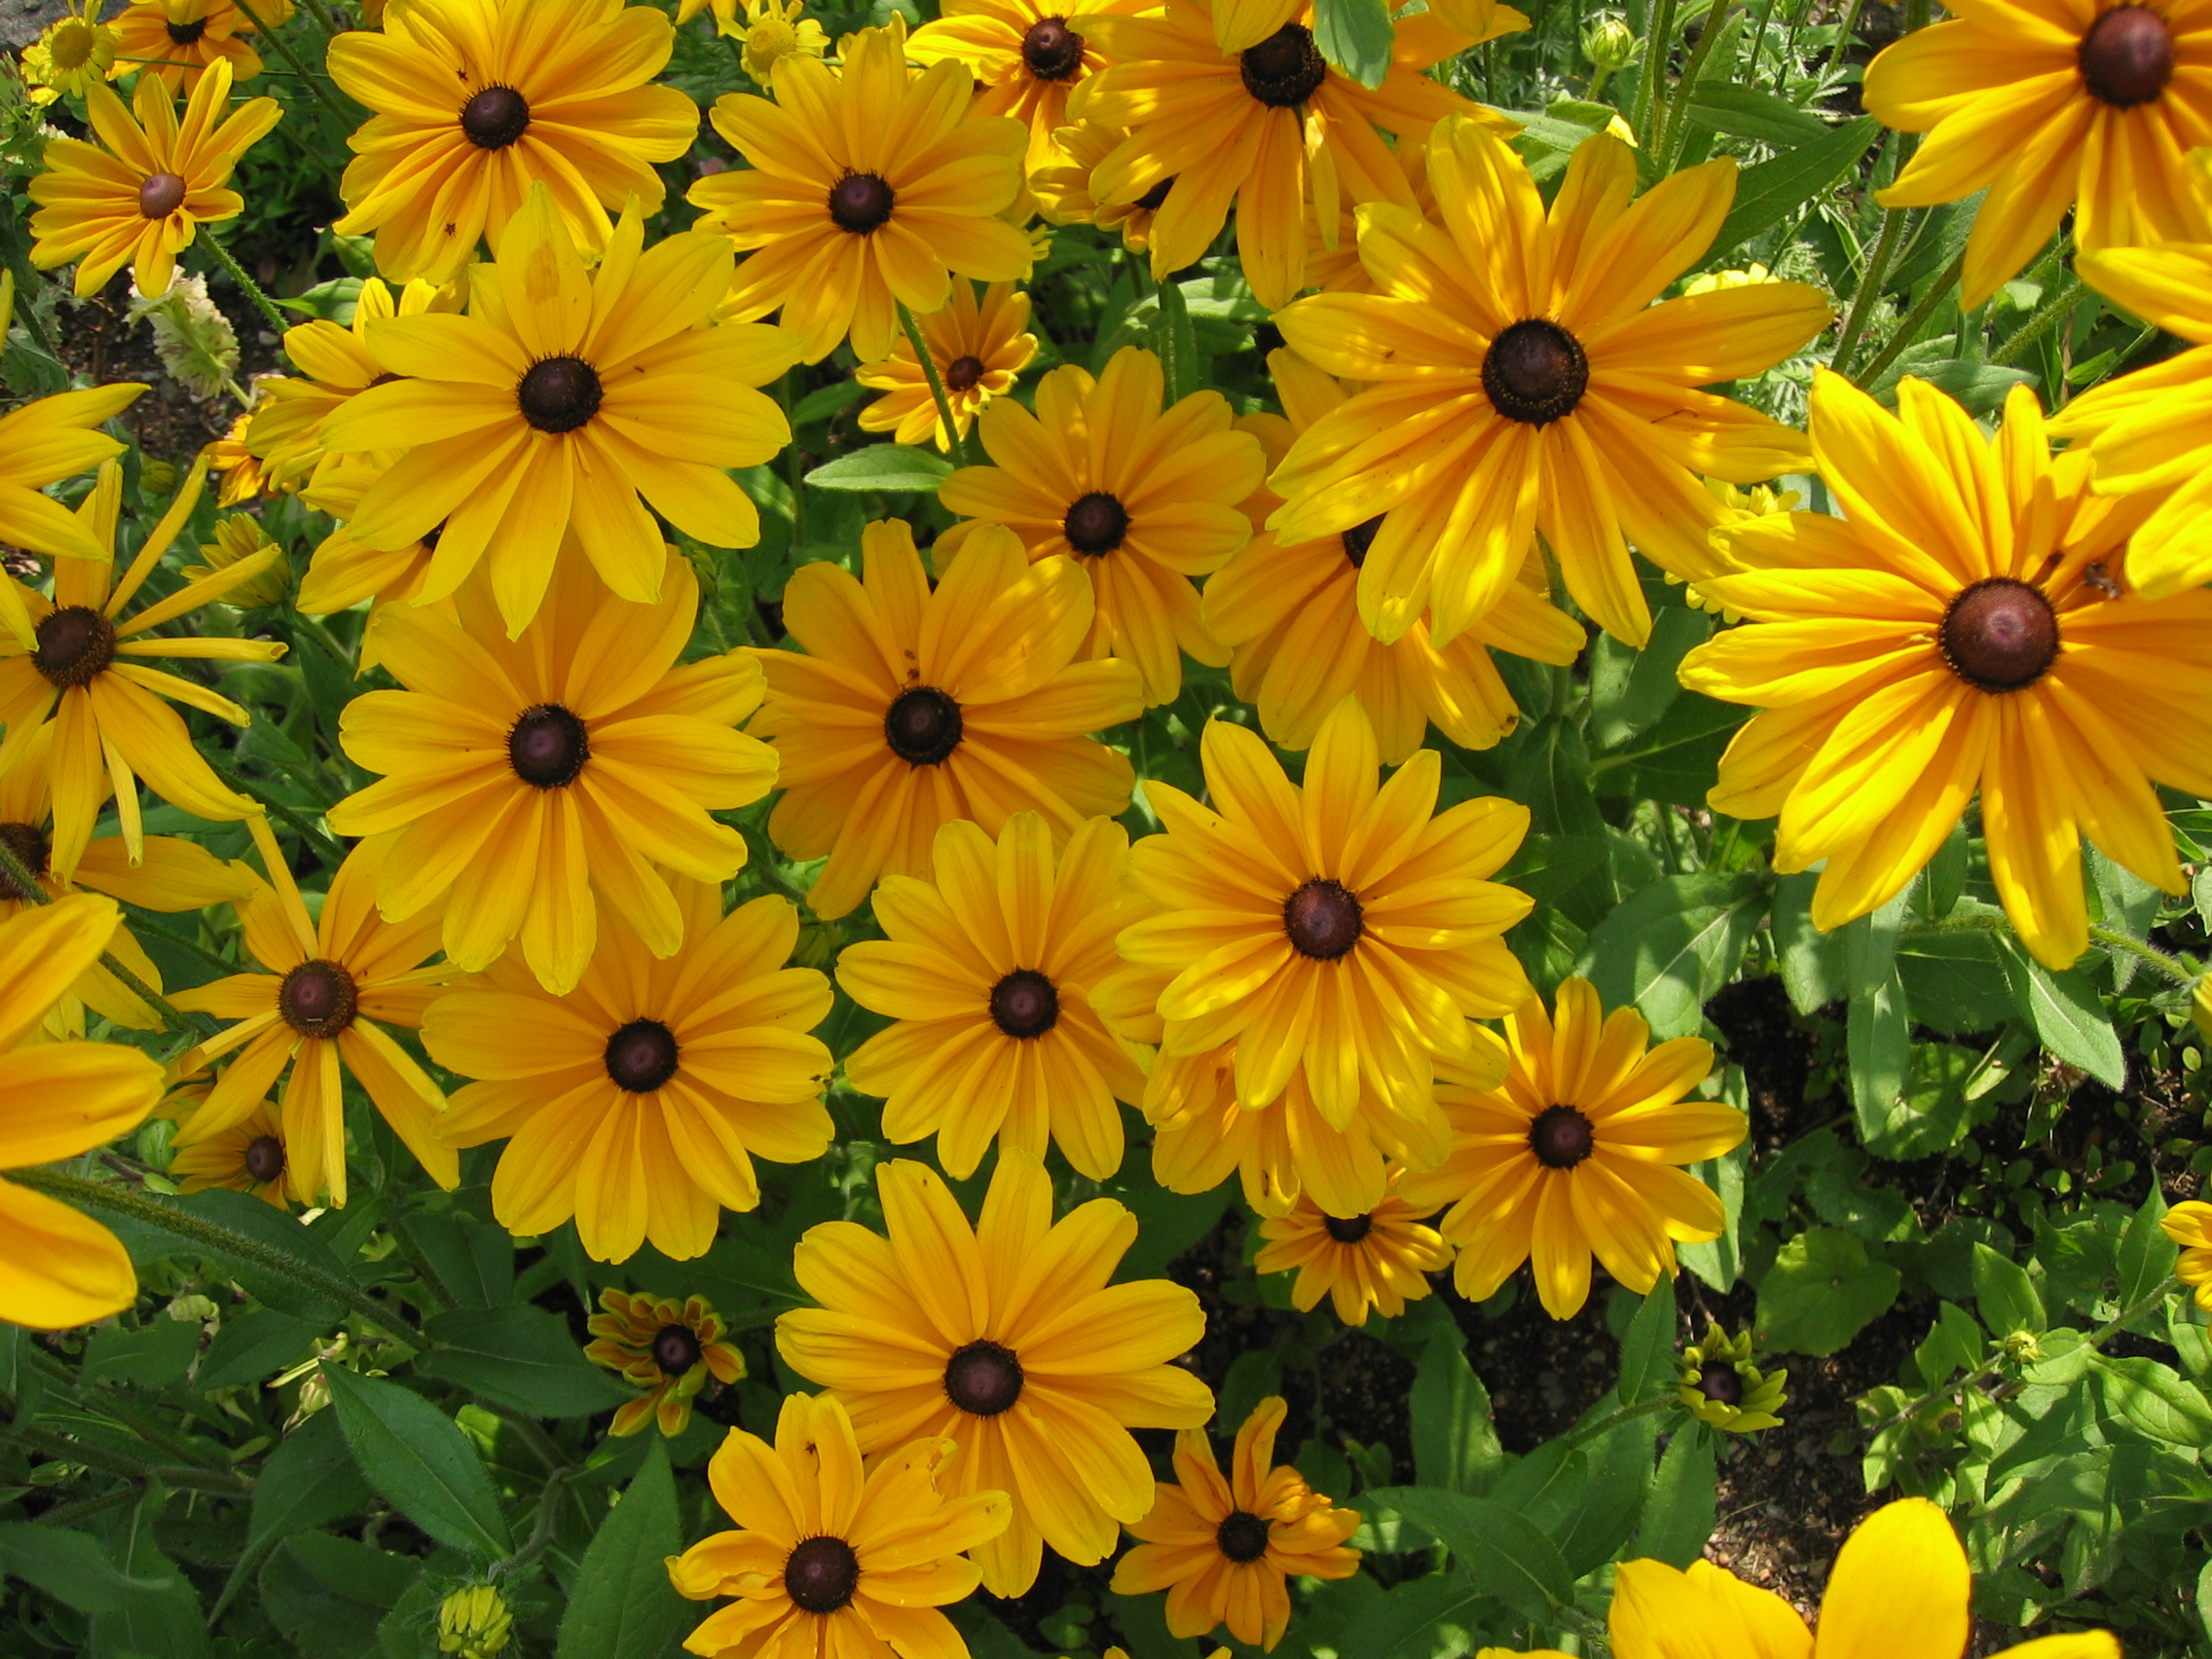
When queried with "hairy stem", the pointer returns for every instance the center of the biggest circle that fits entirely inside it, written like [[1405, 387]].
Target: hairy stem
[[953, 433]]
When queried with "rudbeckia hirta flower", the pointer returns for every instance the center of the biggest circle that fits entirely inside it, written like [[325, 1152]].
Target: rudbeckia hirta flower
[[667, 1347], [636, 1102], [561, 397], [988, 970], [831, 1557], [1025, 56], [913, 706], [1144, 498], [1576, 1154], [1374, 1262], [1222, 1549], [1007, 1339], [980, 347], [539, 778], [177, 43], [1724, 1389], [247, 1156], [136, 196], [2048, 105], [867, 188], [2190, 1226], [772, 30], [1523, 382], [232, 462], [1967, 623], [476, 101], [1061, 184], [44, 442], [73, 55], [1335, 929]]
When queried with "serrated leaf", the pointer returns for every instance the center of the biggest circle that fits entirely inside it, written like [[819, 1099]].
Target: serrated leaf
[[1770, 192], [1673, 945], [1679, 1514], [2003, 1295], [1648, 1352], [623, 1606], [1501, 1551], [1454, 1433], [518, 1356], [2068, 1015], [419, 1459], [1820, 1292]]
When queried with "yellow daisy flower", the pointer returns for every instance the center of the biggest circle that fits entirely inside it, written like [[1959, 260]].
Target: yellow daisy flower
[[1234, 103], [342, 570], [1007, 1339], [241, 477], [667, 1347], [987, 972], [913, 706], [1061, 185], [1025, 56], [74, 54], [58, 1100], [1526, 382], [137, 196], [476, 102], [866, 189], [980, 347], [74, 660], [636, 1101], [1968, 622], [1290, 617], [1375, 1261], [1574, 1154], [2190, 1226], [542, 780], [1222, 1549], [831, 1557], [1336, 929], [561, 397], [44, 442], [2050, 104], [1144, 498], [177, 42], [770, 33], [247, 1157]]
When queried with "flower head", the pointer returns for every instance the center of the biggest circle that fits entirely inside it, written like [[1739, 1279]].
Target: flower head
[[979, 348], [231, 461], [74, 54], [1025, 56], [2190, 1226], [175, 43], [772, 31], [1361, 1262], [44, 442], [1723, 1389], [1061, 184], [237, 538], [192, 338], [247, 1156], [667, 1347], [475, 1623]]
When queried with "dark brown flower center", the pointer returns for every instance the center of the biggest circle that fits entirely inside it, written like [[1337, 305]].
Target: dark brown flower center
[[1154, 199], [548, 746], [1285, 69], [1097, 524], [1535, 372], [31, 847], [188, 34], [822, 1574], [2127, 57], [859, 202], [640, 1058], [74, 645], [1561, 1137], [1347, 1230], [317, 999], [1052, 49], [675, 1349], [160, 195], [1322, 919], [1241, 1535], [1359, 538], [922, 726], [495, 118], [2000, 635], [264, 1159], [962, 374], [1717, 1380], [982, 1379], [1024, 1004], [559, 394]]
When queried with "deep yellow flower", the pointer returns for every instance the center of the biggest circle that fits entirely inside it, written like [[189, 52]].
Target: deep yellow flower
[[342, 570], [1361, 1262], [58, 1100], [1061, 184], [1574, 1154], [561, 397], [233, 463], [979, 347], [1222, 1549], [1526, 382], [913, 706], [636, 1102], [1234, 103], [477, 101], [2190, 1226], [2050, 104], [1025, 58], [137, 196], [540, 780], [1007, 1338], [771, 32], [1968, 622], [44, 442], [73, 55], [1144, 498], [831, 1557], [867, 188], [247, 1156], [987, 971], [177, 42], [75, 660], [667, 1347]]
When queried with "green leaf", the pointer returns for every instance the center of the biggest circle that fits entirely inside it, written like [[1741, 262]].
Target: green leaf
[[2146, 1254], [1550, 774], [2155, 1398], [1680, 1513], [2003, 1295], [1630, 690], [1812, 961], [623, 1606], [417, 1458], [255, 1223], [1673, 945], [1501, 1551], [1871, 945], [309, 1479], [825, 401], [1930, 1116], [1647, 1352], [520, 1356], [1955, 1343], [2068, 1015], [1750, 112], [1772, 190], [156, 1355], [252, 1348], [893, 468], [1355, 36], [1878, 1041], [1177, 344], [72, 1567], [1454, 1433], [1409, 1621], [170, 1625], [1820, 1292], [1675, 763], [328, 1595]]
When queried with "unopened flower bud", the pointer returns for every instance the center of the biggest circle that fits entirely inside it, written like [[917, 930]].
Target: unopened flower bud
[[237, 537], [1609, 44], [473, 1623]]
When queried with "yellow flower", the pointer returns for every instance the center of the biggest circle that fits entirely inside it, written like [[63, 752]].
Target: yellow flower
[[1375, 1261], [247, 1157], [1526, 382], [979, 348], [2050, 104], [58, 1100], [561, 397], [44, 442], [636, 1102], [667, 1347], [137, 196], [1574, 1154], [74, 54], [230, 461], [1145, 500], [240, 537], [477, 102], [539, 778], [1967, 621], [177, 42], [866, 189], [72, 659], [342, 571], [1007, 1338], [831, 1557], [771, 32], [1222, 1549], [2190, 1226], [1025, 56], [1724, 1390], [475, 1623], [1061, 184], [987, 971], [915, 707]]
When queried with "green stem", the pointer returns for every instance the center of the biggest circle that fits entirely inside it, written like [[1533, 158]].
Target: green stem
[[1914, 321], [1654, 76], [85, 1508], [18, 876], [2039, 322], [436, 1297], [66, 1451], [541, 1535], [2172, 967], [330, 24], [229, 262], [1843, 38], [1678, 107], [1759, 39], [922, 357], [298, 66], [1869, 289], [795, 467], [1625, 1414], [333, 849]]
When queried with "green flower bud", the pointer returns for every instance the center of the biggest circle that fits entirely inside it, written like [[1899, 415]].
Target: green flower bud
[[2022, 1348], [157, 477], [1723, 1389], [1609, 44], [475, 1623]]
